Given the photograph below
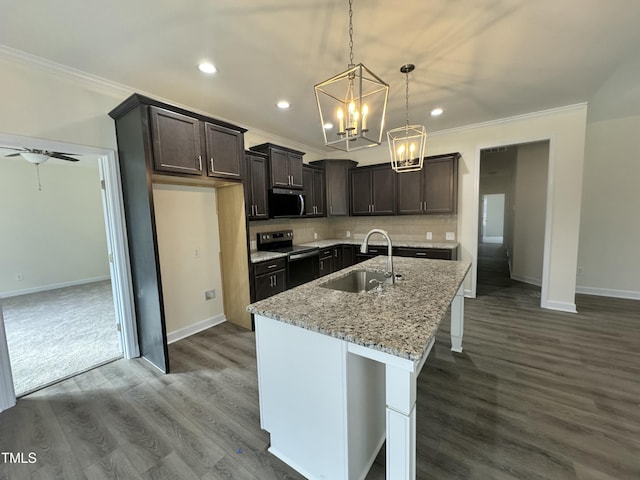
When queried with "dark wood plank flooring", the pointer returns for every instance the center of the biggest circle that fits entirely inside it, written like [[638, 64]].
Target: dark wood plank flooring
[[536, 394]]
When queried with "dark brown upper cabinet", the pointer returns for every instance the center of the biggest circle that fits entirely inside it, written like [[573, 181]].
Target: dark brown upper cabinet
[[373, 190], [256, 186], [432, 190], [314, 190], [285, 165], [176, 142], [223, 148], [186, 145], [337, 185]]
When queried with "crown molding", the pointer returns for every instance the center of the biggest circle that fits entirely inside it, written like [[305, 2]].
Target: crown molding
[[87, 79], [515, 118]]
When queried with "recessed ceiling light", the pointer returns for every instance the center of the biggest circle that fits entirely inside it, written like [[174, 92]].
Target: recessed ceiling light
[[436, 111], [206, 67], [328, 126], [283, 104]]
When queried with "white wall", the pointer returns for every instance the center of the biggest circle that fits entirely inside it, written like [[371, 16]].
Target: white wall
[[530, 212], [189, 248], [53, 237], [610, 223]]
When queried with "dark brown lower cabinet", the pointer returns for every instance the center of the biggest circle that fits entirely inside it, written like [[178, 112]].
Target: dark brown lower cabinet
[[326, 261], [270, 277]]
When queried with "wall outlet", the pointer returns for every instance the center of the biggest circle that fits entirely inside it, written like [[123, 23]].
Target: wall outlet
[[580, 271], [19, 277], [254, 245], [209, 294], [315, 236], [450, 236], [348, 233], [429, 235]]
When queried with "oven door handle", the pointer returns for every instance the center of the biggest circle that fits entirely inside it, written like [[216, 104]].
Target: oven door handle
[[300, 256]]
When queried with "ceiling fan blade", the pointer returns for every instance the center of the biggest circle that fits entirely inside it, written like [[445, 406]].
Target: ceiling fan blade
[[62, 156], [12, 155]]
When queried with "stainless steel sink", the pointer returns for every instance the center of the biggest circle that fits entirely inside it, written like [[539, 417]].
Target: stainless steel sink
[[358, 281]]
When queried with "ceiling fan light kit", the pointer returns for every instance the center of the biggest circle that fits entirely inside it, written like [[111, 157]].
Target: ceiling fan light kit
[[407, 144], [38, 157], [354, 100]]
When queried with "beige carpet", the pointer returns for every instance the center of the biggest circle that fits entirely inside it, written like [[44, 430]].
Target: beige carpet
[[59, 333]]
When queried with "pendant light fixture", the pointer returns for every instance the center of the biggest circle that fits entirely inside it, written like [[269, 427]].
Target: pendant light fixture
[[406, 144], [352, 104]]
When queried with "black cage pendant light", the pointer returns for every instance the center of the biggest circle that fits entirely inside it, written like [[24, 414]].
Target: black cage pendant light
[[407, 144], [352, 104]]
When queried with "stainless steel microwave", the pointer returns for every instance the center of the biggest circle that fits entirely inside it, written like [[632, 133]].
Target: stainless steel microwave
[[285, 203]]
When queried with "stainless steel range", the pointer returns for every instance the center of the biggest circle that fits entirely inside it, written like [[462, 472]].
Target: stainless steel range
[[302, 262]]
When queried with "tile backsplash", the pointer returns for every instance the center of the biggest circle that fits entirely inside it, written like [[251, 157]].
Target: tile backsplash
[[400, 227]]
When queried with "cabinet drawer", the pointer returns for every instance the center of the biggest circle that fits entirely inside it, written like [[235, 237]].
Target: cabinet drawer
[[435, 253], [326, 252], [270, 266]]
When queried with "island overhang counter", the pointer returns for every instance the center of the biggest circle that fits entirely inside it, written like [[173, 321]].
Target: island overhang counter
[[337, 371]]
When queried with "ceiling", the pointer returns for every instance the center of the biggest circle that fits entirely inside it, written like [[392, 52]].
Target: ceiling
[[480, 60]]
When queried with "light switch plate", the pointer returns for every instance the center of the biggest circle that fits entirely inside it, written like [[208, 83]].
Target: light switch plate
[[450, 236], [348, 233], [429, 235]]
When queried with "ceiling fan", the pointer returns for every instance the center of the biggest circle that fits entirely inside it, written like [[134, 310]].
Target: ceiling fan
[[37, 157]]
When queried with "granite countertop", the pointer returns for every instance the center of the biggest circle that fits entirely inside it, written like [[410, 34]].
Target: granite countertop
[[265, 256], [257, 256], [401, 320]]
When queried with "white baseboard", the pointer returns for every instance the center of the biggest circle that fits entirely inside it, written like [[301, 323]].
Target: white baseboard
[[560, 306], [609, 292], [195, 328], [53, 286], [526, 279]]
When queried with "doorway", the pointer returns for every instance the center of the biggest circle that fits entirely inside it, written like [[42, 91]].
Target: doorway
[[492, 226], [512, 215], [116, 252]]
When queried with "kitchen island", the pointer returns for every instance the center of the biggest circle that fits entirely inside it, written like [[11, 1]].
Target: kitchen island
[[337, 371]]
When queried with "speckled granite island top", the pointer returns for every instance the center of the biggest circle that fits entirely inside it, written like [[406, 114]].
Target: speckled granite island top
[[400, 321]]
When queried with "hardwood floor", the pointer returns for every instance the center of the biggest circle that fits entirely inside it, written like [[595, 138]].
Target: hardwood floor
[[536, 394]]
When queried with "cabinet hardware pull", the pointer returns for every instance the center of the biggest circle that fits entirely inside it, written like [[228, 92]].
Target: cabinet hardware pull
[[200, 162], [421, 254], [331, 209], [275, 281], [272, 266], [211, 163], [271, 281], [255, 210]]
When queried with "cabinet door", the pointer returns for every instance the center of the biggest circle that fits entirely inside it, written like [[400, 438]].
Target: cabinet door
[[326, 266], [279, 166], [270, 284], [337, 258], [318, 191], [410, 199], [441, 185], [383, 191], [360, 191], [295, 169], [337, 178], [307, 182], [176, 142], [224, 149], [348, 255], [257, 187]]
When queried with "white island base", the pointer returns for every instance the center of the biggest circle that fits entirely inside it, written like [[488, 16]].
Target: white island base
[[329, 404]]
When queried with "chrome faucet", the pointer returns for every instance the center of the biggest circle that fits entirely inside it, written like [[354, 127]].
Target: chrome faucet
[[364, 249]]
